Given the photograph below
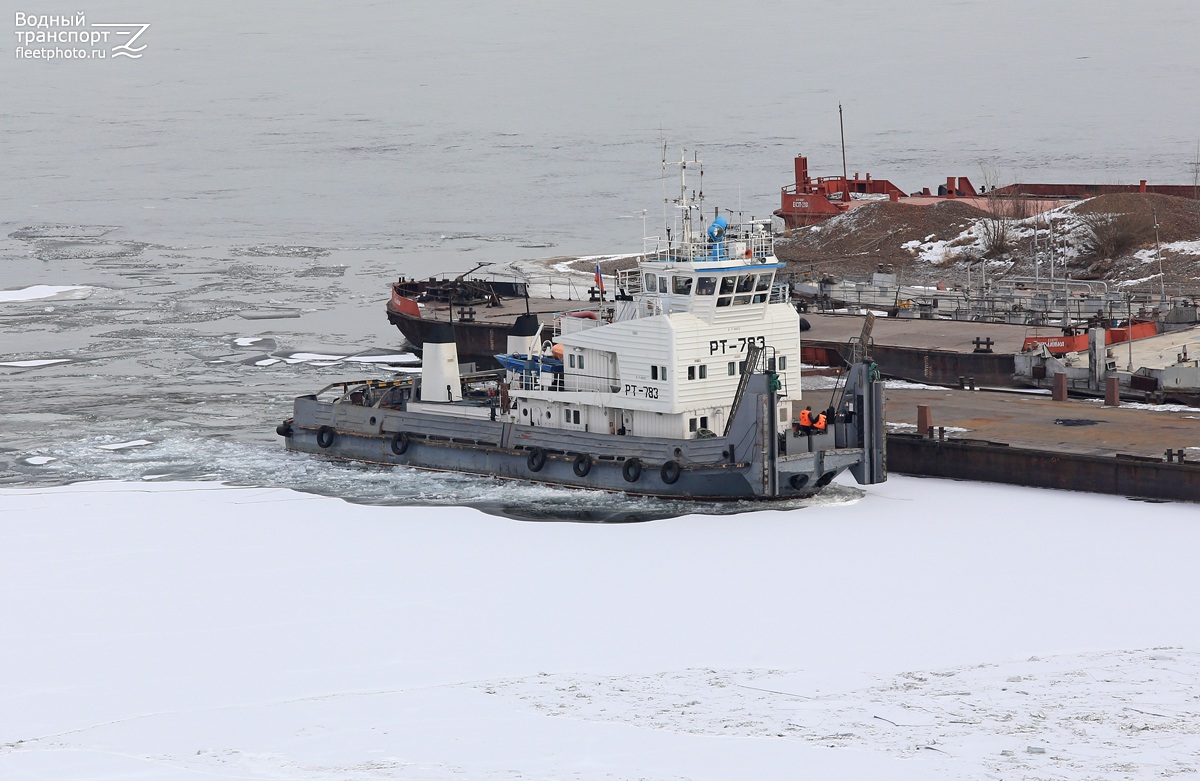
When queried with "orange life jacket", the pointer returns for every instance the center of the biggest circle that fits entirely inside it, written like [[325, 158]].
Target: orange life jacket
[[805, 418], [820, 424]]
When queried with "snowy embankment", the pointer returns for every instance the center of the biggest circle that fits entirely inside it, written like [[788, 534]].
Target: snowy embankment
[[971, 243], [929, 630]]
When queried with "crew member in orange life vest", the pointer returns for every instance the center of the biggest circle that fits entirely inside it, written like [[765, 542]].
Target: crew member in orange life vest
[[819, 423], [806, 420]]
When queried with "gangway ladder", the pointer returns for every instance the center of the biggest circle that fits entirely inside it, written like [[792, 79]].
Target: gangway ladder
[[753, 353], [858, 349]]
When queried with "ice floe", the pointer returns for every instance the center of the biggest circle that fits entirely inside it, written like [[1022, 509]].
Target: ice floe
[[124, 445], [34, 362], [46, 293]]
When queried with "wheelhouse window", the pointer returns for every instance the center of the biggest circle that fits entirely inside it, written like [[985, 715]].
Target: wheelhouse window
[[732, 368], [727, 284], [764, 282], [662, 285], [706, 286], [682, 285], [651, 283], [745, 283]]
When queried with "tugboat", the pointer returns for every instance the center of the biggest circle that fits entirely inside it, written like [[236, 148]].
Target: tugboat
[[687, 384]]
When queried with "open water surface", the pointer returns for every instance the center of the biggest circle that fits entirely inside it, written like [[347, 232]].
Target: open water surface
[[232, 205]]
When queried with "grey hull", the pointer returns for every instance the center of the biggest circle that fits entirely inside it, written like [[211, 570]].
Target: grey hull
[[751, 462]]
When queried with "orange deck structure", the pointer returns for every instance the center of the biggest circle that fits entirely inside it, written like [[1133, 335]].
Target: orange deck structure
[[808, 201], [1061, 344]]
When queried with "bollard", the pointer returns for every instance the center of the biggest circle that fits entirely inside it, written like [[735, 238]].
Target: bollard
[[924, 421], [1170, 455], [971, 382], [1059, 391], [942, 433], [962, 382], [1112, 392]]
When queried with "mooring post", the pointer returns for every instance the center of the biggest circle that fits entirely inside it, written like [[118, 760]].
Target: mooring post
[[1059, 391], [1112, 392], [924, 421]]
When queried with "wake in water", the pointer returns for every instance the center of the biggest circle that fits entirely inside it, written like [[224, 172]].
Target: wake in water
[[164, 452]]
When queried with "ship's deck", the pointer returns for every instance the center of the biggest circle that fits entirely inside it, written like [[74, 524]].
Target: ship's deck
[[954, 335], [509, 309]]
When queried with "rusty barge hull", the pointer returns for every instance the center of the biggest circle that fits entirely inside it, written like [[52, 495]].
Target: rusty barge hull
[[997, 462], [478, 342], [919, 364]]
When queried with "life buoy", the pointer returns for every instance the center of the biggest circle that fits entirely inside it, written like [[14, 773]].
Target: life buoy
[[631, 470], [582, 465], [670, 472], [325, 436], [536, 460], [400, 443]]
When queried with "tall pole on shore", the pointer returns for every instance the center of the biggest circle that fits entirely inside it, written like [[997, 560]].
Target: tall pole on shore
[[1162, 281], [842, 127]]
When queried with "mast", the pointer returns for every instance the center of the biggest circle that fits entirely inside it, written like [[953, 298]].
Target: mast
[[685, 203], [842, 127]]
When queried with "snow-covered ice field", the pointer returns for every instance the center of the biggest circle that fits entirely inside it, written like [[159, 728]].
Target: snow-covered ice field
[[930, 629], [190, 239]]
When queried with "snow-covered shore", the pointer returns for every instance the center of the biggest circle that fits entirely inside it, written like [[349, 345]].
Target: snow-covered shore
[[929, 630]]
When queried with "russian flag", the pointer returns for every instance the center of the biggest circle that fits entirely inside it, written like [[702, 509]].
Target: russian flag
[[599, 279]]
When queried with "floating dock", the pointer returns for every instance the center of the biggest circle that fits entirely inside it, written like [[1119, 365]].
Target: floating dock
[[920, 350], [1032, 440]]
